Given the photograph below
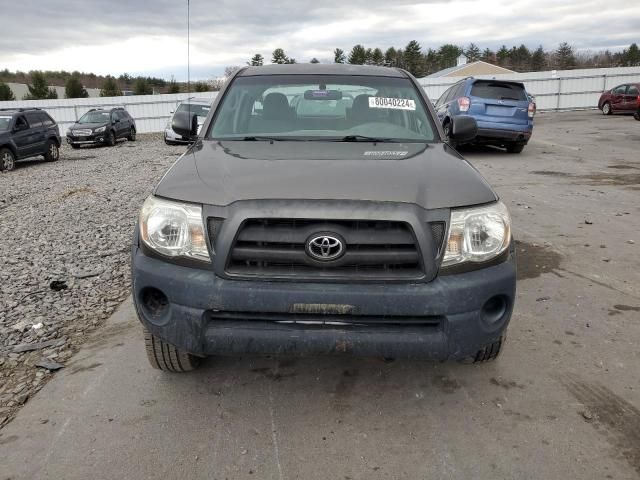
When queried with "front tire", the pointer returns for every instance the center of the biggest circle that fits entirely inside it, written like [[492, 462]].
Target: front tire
[[52, 153], [111, 139], [637, 115], [606, 108], [166, 357], [447, 134], [132, 135], [7, 160], [490, 352]]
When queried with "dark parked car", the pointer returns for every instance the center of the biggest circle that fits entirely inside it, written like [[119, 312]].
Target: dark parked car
[[102, 127], [503, 110], [350, 230], [26, 133], [621, 99]]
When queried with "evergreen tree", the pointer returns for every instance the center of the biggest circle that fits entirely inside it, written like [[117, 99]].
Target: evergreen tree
[[368, 56], [256, 61], [390, 57], [110, 88], [538, 60], [472, 53], [358, 55], [73, 87], [520, 58], [278, 56], [413, 59], [339, 56], [448, 55], [142, 87], [564, 57], [631, 56], [488, 56], [431, 62], [502, 56], [5, 92], [38, 89], [377, 57], [314, 60]]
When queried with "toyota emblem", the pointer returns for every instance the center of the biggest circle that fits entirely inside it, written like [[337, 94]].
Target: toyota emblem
[[325, 247]]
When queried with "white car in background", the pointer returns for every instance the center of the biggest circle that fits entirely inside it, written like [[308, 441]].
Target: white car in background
[[199, 107]]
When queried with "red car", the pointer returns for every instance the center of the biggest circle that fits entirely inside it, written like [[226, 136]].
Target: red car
[[621, 99]]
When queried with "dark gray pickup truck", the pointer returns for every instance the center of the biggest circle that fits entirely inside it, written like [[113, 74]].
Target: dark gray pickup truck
[[320, 212]]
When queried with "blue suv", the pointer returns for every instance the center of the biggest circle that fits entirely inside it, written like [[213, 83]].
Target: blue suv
[[503, 111]]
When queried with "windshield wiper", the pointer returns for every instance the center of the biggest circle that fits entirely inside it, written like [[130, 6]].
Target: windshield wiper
[[259, 138], [364, 138]]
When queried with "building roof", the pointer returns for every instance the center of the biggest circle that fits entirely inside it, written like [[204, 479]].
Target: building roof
[[469, 69], [322, 69]]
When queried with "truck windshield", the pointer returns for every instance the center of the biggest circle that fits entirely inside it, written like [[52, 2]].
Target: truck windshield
[[322, 108]]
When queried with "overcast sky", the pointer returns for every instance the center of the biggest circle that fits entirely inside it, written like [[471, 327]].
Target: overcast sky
[[149, 37]]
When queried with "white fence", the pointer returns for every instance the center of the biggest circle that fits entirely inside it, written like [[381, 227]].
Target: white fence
[[554, 90], [561, 90], [151, 112]]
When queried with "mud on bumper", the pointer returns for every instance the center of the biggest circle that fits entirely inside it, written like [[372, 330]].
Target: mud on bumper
[[451, 317]]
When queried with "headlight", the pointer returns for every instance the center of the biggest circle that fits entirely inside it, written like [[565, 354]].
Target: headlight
[[100, 129], [173, 229], [477, 234]]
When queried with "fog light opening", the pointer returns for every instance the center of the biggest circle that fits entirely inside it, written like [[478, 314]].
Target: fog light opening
[[154, 302], [494, 310]]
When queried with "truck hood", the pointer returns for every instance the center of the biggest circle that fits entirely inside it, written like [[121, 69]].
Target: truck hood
[[220, 173]]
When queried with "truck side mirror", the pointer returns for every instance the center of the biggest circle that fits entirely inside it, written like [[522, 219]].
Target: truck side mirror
[[185, 124]]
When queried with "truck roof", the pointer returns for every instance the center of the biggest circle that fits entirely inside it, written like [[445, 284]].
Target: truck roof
[[322, 69]]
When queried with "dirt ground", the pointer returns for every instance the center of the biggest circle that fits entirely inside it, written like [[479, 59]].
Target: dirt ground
[[562, 402]]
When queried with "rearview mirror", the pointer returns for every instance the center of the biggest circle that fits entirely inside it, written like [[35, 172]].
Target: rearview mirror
[[463, 129], [185, 124]]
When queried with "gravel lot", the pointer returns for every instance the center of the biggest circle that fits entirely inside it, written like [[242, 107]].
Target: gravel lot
[[67, 222], [562, 402]]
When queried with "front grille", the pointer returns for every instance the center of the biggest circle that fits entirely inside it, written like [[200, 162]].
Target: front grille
[[82, 132], [374, 250]]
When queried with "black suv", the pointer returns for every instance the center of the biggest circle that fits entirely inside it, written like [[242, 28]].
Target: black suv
[[345, 225], [25, 133], [102, 127]]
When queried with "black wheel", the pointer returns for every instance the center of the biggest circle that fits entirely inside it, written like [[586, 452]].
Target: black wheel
[[637, 115], [447, 134], [132, 135], [74, 146], [166, 357], [52, 154], [606, 108], [490, 352], [515, 147], [7, 160], [111, 139]]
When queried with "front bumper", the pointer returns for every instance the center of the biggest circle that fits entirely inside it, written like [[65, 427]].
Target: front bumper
[[208, 315], [94, 139], [173, 137], [491, 132]]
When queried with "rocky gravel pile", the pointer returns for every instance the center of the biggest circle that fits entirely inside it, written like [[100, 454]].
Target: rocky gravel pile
[[65, 235]]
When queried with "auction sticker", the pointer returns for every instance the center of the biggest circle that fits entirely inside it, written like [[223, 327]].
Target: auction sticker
[[392, 103]]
